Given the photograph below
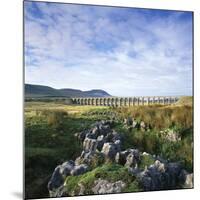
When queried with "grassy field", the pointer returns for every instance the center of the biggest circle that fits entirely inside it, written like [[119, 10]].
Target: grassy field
[[50, 129]]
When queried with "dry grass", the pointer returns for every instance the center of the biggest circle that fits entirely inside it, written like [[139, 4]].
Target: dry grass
[[39, 106], [160, 116], [186, 100]]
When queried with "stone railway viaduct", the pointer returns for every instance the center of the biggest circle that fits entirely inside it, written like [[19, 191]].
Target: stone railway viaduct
[[124, 101]]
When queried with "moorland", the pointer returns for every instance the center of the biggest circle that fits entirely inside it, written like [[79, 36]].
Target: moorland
[[164, 131]]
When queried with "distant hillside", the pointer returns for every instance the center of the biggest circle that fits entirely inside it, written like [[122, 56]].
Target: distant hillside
[[45, 91], [185, 100]]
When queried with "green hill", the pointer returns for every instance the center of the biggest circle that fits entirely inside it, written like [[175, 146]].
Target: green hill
[[32, 91]]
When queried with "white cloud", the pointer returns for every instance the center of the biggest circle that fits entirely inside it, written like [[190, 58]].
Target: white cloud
[[71, 46]]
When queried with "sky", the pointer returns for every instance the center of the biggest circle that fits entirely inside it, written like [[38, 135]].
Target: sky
[[124, 51]]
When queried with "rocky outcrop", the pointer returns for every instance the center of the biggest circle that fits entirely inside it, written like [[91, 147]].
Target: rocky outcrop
[[56, 183], [89, 144], [133, 158], [79, 169], [131, 123], [98, 143], [59, 174], [187, 179], [159, 176], [106, 187], [129, 157], [102, 143], [110, 150]]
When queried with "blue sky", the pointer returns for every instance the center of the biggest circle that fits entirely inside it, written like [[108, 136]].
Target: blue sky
[[125, 51]]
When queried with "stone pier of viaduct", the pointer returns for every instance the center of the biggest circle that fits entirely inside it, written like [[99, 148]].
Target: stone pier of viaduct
[[124, 101]]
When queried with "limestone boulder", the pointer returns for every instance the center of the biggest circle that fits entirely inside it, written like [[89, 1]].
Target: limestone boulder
[[79, 169], [100, 142], [105, 187], [59, 174], [159, 176], [110, 150], [89, 144], [133, 158]]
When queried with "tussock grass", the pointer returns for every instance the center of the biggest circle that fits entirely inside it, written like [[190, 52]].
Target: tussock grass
[[160, 117]]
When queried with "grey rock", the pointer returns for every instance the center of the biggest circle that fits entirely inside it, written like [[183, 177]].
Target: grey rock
[[143, 125], [105, 187], [133, 158], [56, 180], [186, 179], [160, 176], [110, 150], [120, 157], [95, 132], [116, 136], [89, 144], [79, 169], [85, 157], [129, 157], [104, 129], [100, 142], [59, 174], [58, 192], [66, 167]]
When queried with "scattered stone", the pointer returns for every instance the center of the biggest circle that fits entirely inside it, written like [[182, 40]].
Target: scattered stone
[[143, 126], [128, 121], [135, 124]]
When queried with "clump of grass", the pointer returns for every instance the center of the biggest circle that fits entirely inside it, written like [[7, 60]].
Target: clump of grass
[[159, 116]]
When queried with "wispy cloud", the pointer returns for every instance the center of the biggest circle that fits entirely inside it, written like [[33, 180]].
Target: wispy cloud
[[124, 51]]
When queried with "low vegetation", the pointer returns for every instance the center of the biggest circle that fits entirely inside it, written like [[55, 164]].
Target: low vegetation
[[49, 140]]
